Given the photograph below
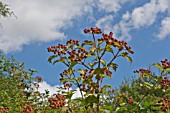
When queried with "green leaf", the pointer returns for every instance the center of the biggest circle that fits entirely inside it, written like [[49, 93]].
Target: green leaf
[[121, 109], [116, 44], [51, 58], [100, 42], [148, 85], [92, 64], [91, 54], [158, 66], [67, 80], [61, 60], [109, 76], [72, 65], [32, 70], [125, 55], [91, 99], [113, 65], [87, 42], [69, 94], [109, 49], [103, 62], [80, 78], [167, 69], [99, 71], [103, 89], [81, 71], [106, 86], [92, 49]]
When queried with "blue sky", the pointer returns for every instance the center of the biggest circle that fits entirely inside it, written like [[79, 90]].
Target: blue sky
[[40, 24]]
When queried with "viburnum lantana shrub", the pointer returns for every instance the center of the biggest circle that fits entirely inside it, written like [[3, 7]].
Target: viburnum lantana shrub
[[19, 89], [149, 93], [87, 68]]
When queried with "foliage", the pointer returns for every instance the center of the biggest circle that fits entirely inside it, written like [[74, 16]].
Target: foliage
[[88, 64], [18, 89], [87, 67], [5, 10], [149, 93]]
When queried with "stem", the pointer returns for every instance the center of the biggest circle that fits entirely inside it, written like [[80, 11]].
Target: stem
[[85, 65], [115, 56], [103, 52], [77, 83], [98, 95], [162, 73], [94, 41]]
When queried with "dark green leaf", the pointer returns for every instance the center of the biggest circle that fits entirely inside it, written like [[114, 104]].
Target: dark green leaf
[[91, 99], [99, 71]]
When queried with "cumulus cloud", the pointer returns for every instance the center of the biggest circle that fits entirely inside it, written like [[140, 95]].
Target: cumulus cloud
[[45, 86], [143, 16], [105, 23], [111, 5], [42, 21], [53, 89], [39, 21], [165, 29], [147, 14]]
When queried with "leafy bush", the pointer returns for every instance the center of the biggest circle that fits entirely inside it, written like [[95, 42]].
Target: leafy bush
[[88, 64]]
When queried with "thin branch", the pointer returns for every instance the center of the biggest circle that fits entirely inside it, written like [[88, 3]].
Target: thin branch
[[103, 52], [115, 56], [85, 65]]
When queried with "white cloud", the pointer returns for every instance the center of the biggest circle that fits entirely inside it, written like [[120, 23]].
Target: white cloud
[[53, 89], [42, 21], [143, 16], [147, 14], [105, 23], [111, 5], [39, 21], [45, 86], [165, 29]]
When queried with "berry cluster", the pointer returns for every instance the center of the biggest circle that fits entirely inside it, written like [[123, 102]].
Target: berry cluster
[[108, 72], [116, 43], [85, 75], [165, 103], [59, 49], [93, 30], [64, 73], [72, 42], [4, 110], [36, 85], [165, 64], [165, 83], [27, 108], [77, 57], [92, 87], [67, 85], [57, 101], [130, 100], [143, 71], [38, 78]]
